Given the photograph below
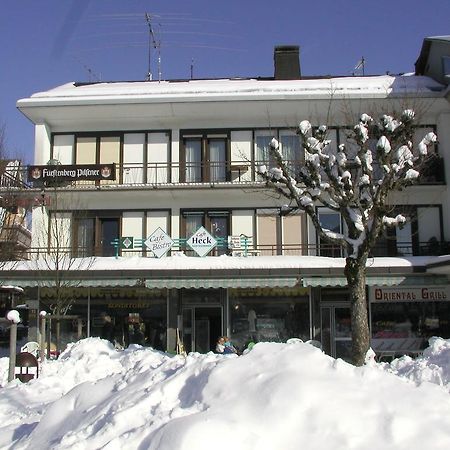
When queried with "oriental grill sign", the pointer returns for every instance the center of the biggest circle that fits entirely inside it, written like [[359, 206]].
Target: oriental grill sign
[[409, 294], [59, 172]]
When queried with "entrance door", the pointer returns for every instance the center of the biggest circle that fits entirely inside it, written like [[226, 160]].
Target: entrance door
[[109, 229], [336, 334], [202, 325]]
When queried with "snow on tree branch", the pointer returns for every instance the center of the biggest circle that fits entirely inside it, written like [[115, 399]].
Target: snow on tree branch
[[355, 185]]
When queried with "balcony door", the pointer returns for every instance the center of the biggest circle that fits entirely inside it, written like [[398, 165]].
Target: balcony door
[[109, 231]]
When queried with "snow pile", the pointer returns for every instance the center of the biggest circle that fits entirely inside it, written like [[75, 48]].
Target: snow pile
[[433, 366], [277, 396]]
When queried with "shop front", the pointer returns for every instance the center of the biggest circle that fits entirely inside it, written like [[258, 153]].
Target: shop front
[[403, 318]]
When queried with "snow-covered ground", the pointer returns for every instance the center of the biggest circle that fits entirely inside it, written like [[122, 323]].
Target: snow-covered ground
[[275, 397]]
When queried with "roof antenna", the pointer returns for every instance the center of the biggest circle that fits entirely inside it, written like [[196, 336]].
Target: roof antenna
[[192, 68], [360, 66], [156, 44]]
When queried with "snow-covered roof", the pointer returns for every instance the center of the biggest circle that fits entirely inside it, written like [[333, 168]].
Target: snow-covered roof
[[185, 263], [232, 89]]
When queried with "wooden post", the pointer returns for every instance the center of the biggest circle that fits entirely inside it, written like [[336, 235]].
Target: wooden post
[[12, 351]]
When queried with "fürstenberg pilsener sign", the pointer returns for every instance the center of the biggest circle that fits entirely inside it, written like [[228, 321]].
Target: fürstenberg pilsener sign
[[58, 172]]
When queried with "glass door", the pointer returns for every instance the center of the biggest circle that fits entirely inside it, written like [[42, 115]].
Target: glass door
[[336, 331], [202, 325], [109, 229]]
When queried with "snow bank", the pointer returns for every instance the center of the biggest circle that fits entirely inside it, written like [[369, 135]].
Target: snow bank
[[277, 396]]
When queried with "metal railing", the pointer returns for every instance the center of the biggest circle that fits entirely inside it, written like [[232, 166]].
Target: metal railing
[[181, 173], [402, 249]]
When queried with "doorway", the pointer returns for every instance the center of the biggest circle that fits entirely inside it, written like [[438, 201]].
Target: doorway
[[336, 330], [202, 325], [109, 230]]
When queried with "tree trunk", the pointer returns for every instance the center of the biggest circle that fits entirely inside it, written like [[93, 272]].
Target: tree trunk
[[355, 271]]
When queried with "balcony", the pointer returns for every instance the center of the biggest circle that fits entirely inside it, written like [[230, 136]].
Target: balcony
[[207, 173], [257, 250]]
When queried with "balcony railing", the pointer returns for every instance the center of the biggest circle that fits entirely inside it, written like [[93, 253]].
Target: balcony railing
[[205, 173], [422, 249]]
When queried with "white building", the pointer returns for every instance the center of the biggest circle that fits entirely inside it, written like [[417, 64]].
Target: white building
[[185, 154]]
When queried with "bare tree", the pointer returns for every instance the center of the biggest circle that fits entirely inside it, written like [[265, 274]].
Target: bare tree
[[15, 206], [357, 186], [57, 263]]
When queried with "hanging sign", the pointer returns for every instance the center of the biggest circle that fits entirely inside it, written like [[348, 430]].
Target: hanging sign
[[159, 242], [59, 172], [201, 242]]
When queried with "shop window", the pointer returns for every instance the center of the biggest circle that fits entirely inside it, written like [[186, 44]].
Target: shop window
[[139, 316], [268, 315], [407, 326], [204, 159]]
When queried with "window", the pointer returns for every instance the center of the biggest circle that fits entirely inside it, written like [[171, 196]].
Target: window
[[94, 236], [84, 231], [216, 222], [262, 149], [204, 158], [330, 220], [290, 148], [446, 66], [270, 315]]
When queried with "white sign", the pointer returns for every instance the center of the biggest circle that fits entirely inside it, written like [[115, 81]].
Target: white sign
[[201, 242], [409, 294], [159, 242]]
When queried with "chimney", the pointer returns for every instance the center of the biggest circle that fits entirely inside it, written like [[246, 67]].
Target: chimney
[[287, 62]]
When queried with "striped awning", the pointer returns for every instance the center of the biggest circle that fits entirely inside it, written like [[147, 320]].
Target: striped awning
[[168, 283], [125, 282], [206, 283], [375, 281]]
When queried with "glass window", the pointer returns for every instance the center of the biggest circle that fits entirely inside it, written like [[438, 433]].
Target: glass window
[[290, 147], [446, 65], [85, 237], [219, 229], [205, 159], [406, 327], [193, 149], [331, 221], [262, 153], [268, 315], [217, 159]]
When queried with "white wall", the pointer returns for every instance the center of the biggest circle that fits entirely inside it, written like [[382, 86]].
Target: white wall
[[41, 144], [242, 222]]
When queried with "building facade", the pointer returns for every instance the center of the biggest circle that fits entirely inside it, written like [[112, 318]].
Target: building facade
[[120, 166]]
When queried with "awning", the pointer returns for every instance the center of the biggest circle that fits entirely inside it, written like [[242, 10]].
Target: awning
[[169, 283], [125, 282], [206, 283], [375, 281]]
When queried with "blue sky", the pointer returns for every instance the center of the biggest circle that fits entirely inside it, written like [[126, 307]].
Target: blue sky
[[46, 43]]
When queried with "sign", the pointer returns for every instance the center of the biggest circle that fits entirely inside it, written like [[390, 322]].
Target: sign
[[409, 294], [201, 242], [159, 242], [126, 242], [59, 172]]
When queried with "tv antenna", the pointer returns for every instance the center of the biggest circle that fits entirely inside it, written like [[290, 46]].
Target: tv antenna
[[360, 66], [155, 44]]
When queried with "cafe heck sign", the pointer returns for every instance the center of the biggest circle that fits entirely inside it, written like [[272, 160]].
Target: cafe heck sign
[[59, 172]]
